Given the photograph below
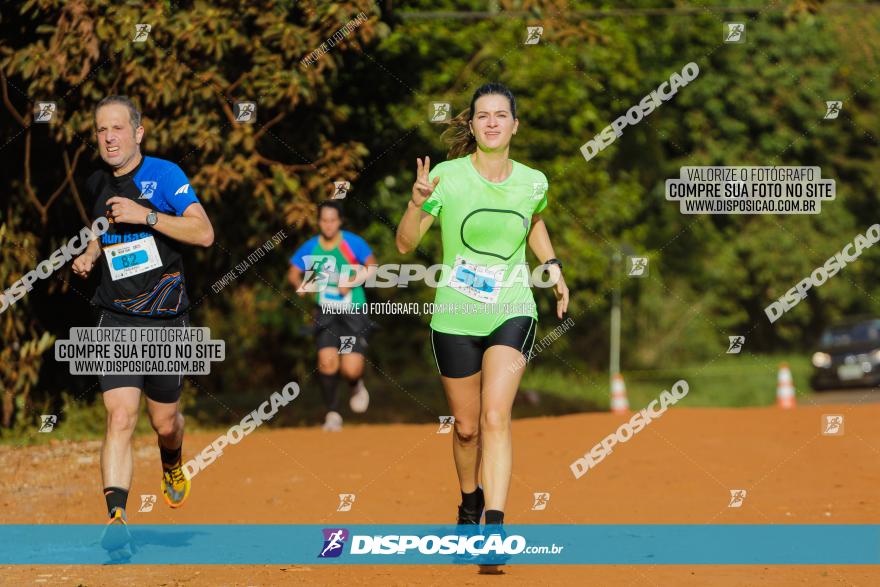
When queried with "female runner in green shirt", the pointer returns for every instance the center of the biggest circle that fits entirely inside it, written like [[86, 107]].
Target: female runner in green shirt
[[489, 208]]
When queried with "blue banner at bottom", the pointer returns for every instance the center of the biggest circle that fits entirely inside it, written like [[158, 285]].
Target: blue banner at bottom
[[205, 544]]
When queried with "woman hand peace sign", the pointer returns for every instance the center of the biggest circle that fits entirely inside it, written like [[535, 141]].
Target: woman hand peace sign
[[423, 187]]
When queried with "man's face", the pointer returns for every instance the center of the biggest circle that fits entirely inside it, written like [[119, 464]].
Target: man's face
[[118, 142], [329, 222]]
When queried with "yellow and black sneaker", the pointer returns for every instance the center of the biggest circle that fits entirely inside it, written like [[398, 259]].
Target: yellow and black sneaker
[[175, 484], [116, 539]]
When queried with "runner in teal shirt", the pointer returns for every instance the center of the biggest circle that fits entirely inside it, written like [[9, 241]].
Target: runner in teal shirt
[[341, 326]]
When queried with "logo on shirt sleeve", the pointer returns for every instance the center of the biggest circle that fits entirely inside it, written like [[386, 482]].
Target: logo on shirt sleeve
[[184, 189], [148, 188], [539, 188], [430, 204]]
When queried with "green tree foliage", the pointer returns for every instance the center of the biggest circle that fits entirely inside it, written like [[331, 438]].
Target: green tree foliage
[[254, 179], [759, 103], [359, 112]]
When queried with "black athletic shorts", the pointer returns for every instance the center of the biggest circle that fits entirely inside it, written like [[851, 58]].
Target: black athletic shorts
[[159, 388], [337, 330], [460, 355]]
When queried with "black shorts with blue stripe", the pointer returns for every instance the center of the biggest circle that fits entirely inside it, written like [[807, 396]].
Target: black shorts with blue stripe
[[164, 388]]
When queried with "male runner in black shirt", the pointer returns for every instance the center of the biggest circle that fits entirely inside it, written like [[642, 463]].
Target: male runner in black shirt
[[153, 211]]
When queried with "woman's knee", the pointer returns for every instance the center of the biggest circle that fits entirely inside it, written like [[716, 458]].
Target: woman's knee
[[492, 420], [350, 372], [328, 364], [466, 433]]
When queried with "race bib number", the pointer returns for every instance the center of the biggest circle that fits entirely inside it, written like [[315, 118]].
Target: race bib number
[[134, 258], [332, 297], [477, 282]]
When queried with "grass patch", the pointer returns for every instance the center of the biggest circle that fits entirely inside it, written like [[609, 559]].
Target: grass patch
[[729, 381]]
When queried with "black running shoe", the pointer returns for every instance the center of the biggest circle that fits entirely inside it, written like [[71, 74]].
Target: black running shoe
[[469, 525], [468, 517]]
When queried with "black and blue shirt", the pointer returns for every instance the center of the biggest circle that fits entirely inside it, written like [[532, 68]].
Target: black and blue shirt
[[143, 269]]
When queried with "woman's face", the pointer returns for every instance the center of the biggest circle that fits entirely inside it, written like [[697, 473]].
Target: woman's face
[[329, 222], [493, 124]]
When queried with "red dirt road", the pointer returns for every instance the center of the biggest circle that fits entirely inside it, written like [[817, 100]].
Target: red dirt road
[[677, 470]]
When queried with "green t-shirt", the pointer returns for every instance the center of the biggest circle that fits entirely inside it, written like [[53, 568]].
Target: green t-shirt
[[484, 228]]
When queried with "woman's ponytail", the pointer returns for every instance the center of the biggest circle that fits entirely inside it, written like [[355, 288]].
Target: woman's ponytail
[[458, 136]]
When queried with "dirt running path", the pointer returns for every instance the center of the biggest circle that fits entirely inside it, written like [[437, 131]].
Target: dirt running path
[[678, 470]]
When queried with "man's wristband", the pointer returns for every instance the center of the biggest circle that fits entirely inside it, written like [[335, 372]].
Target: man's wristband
[[554, 261]]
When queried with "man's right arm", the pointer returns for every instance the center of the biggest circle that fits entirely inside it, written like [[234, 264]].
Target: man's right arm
[[84, 264], [298, 266], [295, 277]]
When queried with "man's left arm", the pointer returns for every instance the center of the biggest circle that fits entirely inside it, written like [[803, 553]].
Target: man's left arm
[[193, 227]]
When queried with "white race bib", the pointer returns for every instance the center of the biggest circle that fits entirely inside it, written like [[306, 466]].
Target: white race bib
[[477, 282], [332, 297], [134, 258]]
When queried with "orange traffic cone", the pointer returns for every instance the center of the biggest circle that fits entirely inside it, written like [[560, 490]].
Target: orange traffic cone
[[784, 388], [619, 403]]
